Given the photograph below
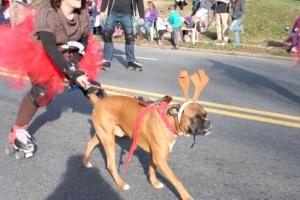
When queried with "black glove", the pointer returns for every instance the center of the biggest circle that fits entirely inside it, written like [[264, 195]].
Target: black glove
[[72, 72], [94, 88]]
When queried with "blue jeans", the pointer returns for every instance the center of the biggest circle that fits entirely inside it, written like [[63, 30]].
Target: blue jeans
[[146, 25], [126, 21], [236, 27]]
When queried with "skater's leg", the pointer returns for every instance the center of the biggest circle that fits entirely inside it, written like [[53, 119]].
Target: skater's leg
[[19, 138]]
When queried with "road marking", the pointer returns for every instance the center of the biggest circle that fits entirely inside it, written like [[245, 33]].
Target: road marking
[[254, 118], [209, 104], [14, 75], [141, 58], [224, 112]]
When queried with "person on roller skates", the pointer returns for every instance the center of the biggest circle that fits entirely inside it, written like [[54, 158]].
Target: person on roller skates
[[121, 11], [54, 45]]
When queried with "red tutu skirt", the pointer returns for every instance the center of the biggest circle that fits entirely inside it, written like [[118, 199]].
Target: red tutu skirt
[[22, 57]]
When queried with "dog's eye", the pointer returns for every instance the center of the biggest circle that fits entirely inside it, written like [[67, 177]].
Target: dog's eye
[[197, 118]]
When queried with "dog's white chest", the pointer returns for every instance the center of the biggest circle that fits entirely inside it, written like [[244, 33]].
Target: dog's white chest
[[172, 144]]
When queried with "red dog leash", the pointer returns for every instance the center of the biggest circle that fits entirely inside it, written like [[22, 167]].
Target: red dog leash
[[146, 110]]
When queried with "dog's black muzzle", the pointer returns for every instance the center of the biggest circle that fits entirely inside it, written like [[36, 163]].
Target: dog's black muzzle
[[200, 126]]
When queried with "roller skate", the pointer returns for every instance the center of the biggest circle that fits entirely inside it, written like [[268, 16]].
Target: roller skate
[[20, 143], [106, 65], [135, 66]]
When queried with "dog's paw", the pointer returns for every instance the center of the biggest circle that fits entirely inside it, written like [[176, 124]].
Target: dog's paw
[[159, 185], [88, 165], [188, 198], [125, 187]]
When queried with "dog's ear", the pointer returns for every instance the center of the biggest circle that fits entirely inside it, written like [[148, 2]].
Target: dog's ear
[[167, 98], [173, 110]]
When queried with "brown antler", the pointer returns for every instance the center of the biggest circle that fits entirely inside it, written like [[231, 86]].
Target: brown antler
[[184, 81], [199, 84]]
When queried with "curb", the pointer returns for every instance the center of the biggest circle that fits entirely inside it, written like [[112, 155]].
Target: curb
[[233, 53]]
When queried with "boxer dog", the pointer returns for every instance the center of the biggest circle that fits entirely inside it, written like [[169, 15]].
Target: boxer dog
[[116, 115]]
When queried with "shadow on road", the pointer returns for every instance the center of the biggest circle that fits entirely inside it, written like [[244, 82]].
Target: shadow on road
[[119, 58], [82, 184], [68, 100], [254, 80]]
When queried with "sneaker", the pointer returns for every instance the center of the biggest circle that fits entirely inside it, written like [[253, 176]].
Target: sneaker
[[147, 36], [95, 88], [135, 65], [106, 64], [294, 50], [20, 139], [218, 42], [175, 47], [224, 43]]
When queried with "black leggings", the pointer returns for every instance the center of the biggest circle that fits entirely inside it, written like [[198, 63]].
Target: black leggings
[[181, 4], [161, 34]]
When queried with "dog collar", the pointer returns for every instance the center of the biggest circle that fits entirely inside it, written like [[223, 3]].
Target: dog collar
[[182, 107]]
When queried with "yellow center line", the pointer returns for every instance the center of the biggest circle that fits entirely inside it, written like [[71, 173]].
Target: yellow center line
[[217, 105], [240, 115], [254, 118], [210, 104]]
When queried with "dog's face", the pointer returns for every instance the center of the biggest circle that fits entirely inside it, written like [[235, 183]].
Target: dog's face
[[193, 120]]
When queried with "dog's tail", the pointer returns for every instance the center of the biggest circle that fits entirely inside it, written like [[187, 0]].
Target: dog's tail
[[93, 98]]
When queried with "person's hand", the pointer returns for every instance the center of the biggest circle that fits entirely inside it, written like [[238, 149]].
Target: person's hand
[[83, 81], [141, 21], [102, 16]]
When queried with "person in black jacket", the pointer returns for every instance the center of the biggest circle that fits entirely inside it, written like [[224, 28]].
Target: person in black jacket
[[121, 11]]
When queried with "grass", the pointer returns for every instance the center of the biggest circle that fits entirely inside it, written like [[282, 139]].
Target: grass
[[264, 22]]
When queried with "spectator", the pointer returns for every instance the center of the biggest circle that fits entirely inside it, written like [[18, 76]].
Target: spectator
[[6, 4], [175, 22], [237, 16], [161, 27], [121, 11], [181, 4], [2, 18], [90, 4], [18, 11], [95, 19], [195, 5], [200, 10], [150, 18], [294, 37], [222, 15]]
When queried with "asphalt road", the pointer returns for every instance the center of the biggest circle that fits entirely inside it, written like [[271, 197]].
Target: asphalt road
[[252, 154]]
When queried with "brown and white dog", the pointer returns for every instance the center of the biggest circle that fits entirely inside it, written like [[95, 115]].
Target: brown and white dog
[[116, 115]]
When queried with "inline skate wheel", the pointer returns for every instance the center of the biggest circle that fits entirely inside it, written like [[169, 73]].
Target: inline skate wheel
[[28, 155], [20, 155]]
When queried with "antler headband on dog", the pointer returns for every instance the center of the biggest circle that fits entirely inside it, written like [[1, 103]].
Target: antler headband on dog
[[199, 80]]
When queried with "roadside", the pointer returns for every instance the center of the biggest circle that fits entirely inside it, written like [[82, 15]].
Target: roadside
[[211, 48], [264, 24]]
